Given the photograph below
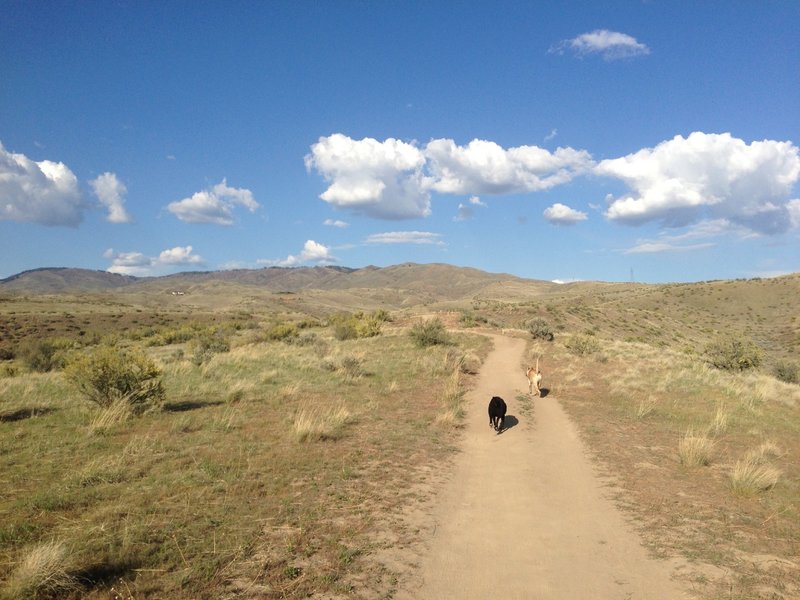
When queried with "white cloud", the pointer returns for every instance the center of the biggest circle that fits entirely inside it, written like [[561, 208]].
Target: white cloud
[[561, 214], [657, 247], [214, 205], [405, 237], [43, 192], [312, 252], [707, 176], [180, 255], [141, 265], [484, 167], [111, 191], [611, 45], [690, 240], [379, 179], [335, 223]]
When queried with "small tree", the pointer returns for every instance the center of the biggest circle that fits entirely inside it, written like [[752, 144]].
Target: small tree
[[108, 375]]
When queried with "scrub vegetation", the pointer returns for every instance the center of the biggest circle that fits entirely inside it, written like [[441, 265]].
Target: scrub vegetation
[[237, 441]]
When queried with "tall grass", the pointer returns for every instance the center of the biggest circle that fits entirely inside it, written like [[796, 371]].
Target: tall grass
[[695, 449], [452, 400], [315, 424], [42, 573]]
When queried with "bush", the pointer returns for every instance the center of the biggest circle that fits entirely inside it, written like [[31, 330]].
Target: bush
[[108, 375], [345, 330], [787, 372], [582, 345], [206, 345], [733, 354], [359, 325], [540, 330], [282, 332], [43, 355], [429, 333]]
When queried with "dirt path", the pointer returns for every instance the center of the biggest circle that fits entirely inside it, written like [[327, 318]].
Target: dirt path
[[524, 515]]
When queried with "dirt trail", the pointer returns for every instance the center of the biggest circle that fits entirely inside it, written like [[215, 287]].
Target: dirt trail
[[524, 515]]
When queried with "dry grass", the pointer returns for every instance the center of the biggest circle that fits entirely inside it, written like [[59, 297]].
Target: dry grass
[[111, 416], [452, 400], [646, 406], [708, 515], [695, 449], [720, 422], [752, 475], [315, 424], [42, 573]]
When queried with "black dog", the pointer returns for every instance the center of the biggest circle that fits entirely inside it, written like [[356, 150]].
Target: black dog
[[497, 413]]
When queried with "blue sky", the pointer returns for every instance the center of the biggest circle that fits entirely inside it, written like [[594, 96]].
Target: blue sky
[[552, 140]]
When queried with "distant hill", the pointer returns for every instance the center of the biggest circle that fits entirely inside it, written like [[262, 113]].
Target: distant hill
[[440, 281], [62, 279]]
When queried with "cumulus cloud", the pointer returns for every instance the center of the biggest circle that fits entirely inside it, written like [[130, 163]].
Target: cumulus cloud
[[214, 205], [561, 214], [379, 179], [611, 45], [141, 265], [43, 192], [405, 237], [335, 223], [484, 167], [111, 193], [393, 179], [707, 176], [312, 252]]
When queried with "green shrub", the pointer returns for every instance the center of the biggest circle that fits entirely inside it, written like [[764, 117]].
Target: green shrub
[[582, 344], [282, 332], [207, 344], [107, 375], [359, 325], [788, 372], [345, 330], [540, 329], [429, 333], [733, 354], [369, 325], [472, 320], [44, 355]]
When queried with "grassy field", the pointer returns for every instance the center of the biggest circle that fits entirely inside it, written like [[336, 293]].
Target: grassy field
[[287, 450], [703, 461], [270, 470]]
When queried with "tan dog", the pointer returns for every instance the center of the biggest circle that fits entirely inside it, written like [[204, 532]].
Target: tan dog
[[534, 376]]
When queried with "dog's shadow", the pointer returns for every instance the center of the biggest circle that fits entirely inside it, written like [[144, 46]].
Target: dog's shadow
[[543, 392], [511, 421]]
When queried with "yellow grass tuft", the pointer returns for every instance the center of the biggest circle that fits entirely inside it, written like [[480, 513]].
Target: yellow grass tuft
[[720, 423], [751, 476], [452, 400], [311, 425], [107, 418], [694, 449], [646, 406], [42, 573]]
